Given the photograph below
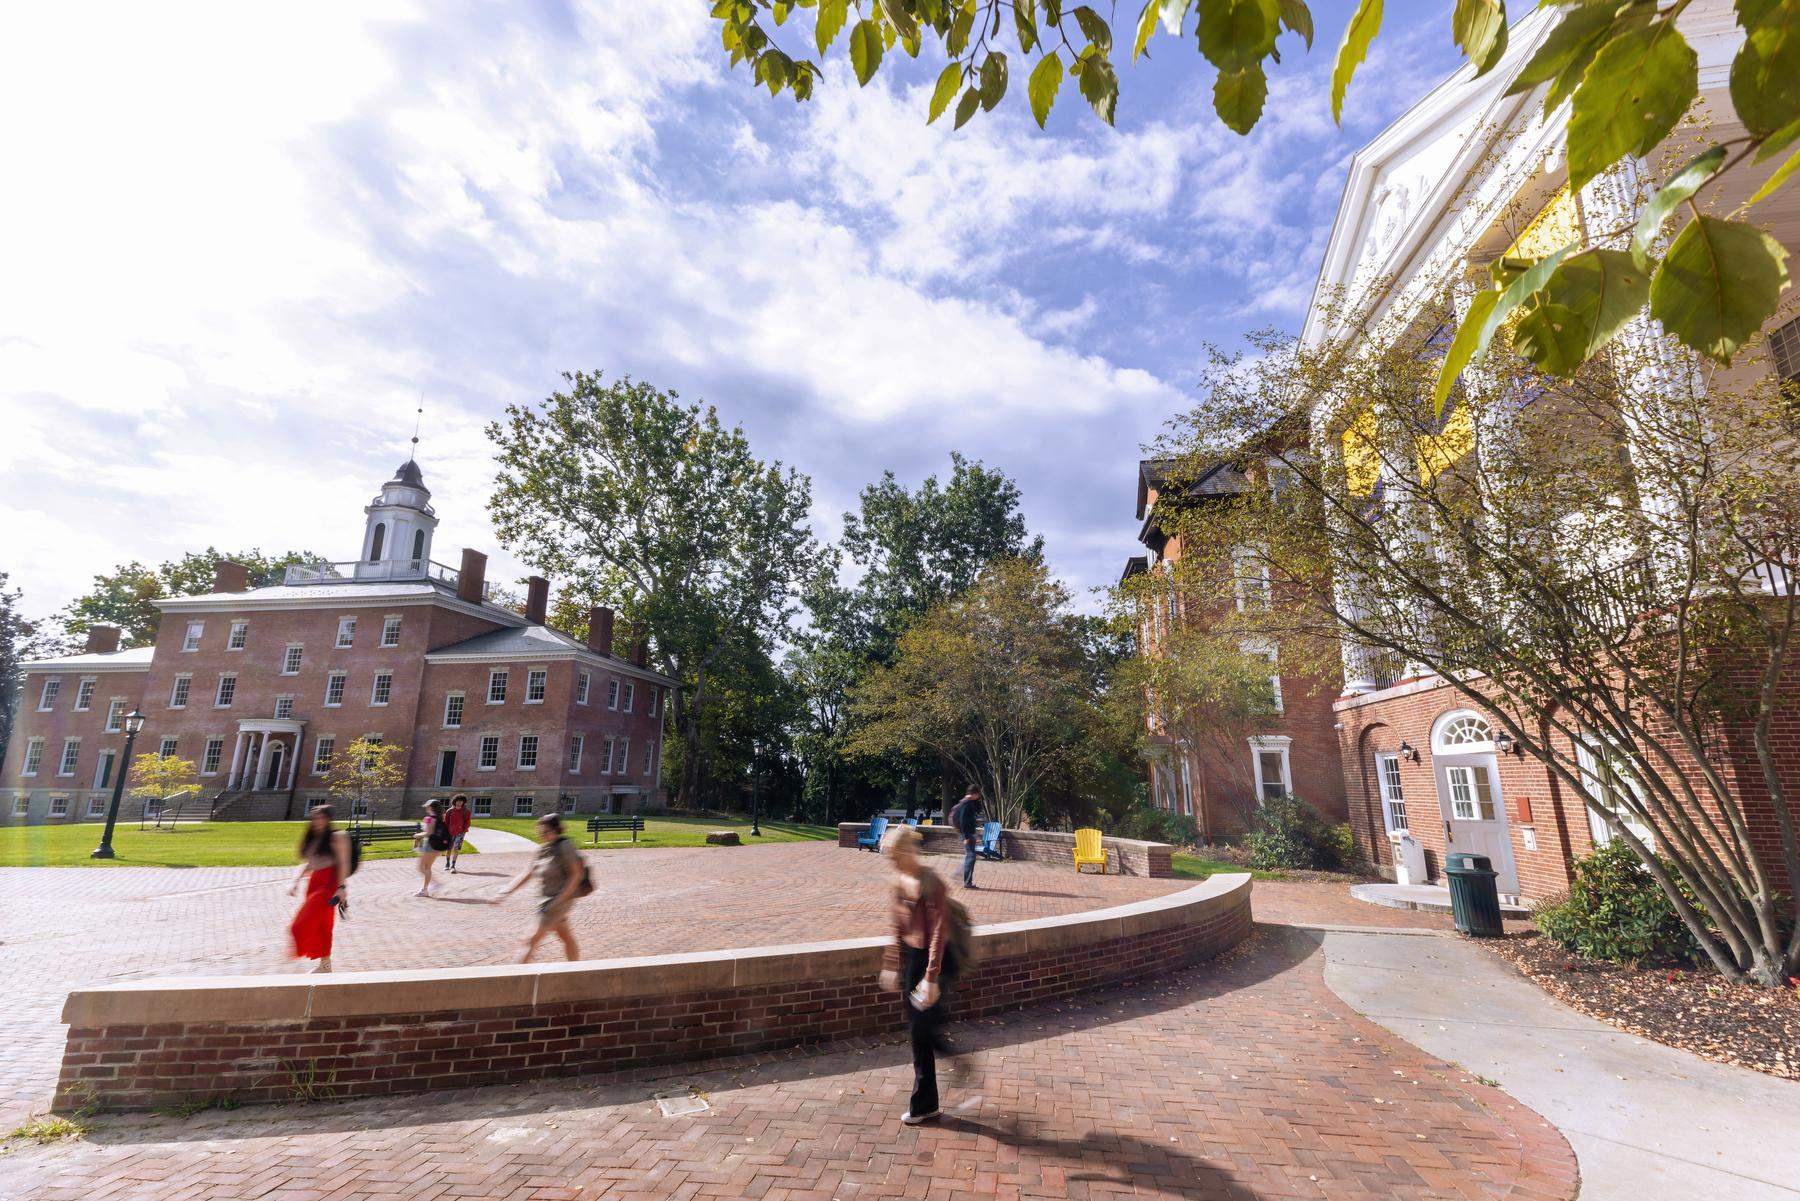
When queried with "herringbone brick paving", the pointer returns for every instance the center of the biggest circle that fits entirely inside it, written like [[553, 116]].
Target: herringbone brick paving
[[1241, 1078]]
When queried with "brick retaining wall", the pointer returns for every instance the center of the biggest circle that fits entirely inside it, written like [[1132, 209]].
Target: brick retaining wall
[[157, 1042], [1126, 856]]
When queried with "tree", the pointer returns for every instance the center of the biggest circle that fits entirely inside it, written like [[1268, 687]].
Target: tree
[[20, 641], [1604, 566], [1629, 78], [994, 680], [632, 495], [162, 778], [126, 596], [364, 768]]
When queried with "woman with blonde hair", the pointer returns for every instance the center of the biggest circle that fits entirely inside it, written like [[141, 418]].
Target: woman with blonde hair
[[914, 963]]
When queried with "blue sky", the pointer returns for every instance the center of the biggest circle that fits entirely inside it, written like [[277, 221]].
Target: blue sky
[[241, 244]]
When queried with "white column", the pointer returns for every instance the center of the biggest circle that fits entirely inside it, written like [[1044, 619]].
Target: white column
[[293, 762], [1359, 673], [262, 763], [237, 761]]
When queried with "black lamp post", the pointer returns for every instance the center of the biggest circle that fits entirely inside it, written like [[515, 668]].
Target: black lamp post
[[134, 721], [755, 795]]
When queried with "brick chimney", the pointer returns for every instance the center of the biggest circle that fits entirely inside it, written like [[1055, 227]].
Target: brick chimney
[[537, 599], [473, 575], [102, 640], [231, 577], [640, 654], [600, 630]]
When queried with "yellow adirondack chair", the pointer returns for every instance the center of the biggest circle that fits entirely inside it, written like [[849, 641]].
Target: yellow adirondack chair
[[1089, 850]]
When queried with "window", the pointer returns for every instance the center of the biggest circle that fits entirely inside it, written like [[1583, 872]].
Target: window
[[1393, 797], [1784, 348], [47, 698], [178, 691], [1250, 579], [1264, 648], [649, 756], [103, 772], [59, 806], [489, 758], [284, 707], [1471, 793], [290, 661], [497, 687], [535, 680], [71, 752], [630, 693], [484, 806], [359, 807], [227, 690], [1610, 780], [418, 545], [522, 806], [240, 633], [166, 747], [622, 759], [390, 631], [383, 688], [209, 762], [606, 757], [612, 694], [575, 744], [1269, 754], [115, 710], [191, 640], [334, 689], [453, 709], [322, 755], [376, 543], [84, 695], [1466, 730], [528, 752], [21, 806], [1282, 480], [96, 806], [655, 702], [346, 635], [34, 755], [581, 688]]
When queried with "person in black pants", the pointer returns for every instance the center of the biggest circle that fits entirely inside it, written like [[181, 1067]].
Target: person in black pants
[[966, 817], [914, 962]]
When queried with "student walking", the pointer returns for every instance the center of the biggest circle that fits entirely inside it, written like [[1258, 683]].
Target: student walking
[[563, 875], [914, 964], [457, 820], [966, 817], [432, 840], [325, 866]]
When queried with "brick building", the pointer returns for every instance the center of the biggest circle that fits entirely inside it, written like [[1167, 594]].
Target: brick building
[[260, 686], [1219, 776]]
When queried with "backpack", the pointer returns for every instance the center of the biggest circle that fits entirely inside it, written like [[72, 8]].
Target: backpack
[[355, 855], [955, 817], [959, 946], [586, 887], [439, 839]]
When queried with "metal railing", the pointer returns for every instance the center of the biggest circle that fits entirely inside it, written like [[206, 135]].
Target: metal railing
[[382, 570]]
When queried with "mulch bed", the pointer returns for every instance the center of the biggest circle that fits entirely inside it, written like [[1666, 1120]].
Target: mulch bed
[[1692, 1009]]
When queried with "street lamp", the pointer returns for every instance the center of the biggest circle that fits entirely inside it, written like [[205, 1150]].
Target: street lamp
[[755, 794], [134, 721]]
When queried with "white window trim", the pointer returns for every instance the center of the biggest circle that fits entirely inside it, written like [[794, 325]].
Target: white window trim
[[115, 713], [481, 806], [375, 689], [232, 642], [48, 693], [606, 756], [1271, 742], [461, 712], [1388, 801], [65, 763], [288, 653], [167, 746], [390, 621], [577, 745], [206, 753], [219, 690], [86, 684], [583, 684], [1599, 781], [544, 672], [479, 747], [1249, 563], [96, 806], [175, 689], [499, 673], [537, 753], [346, 625], [190, 637], [26, 766], [622, 758], [323, 749], [629, 698], [59, 806], [21, 806], [612, 695], [530, 803], [286, 700]]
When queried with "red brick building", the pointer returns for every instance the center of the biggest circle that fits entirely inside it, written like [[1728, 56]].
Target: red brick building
[[261, 686], [1219, 776]]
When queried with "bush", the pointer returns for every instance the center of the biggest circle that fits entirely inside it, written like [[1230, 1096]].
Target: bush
[[1616, 912], [1152, 824], [1287, 833]]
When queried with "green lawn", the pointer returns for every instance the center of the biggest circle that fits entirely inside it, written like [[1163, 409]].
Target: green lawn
[[1192, 867], [211, 844], [668, 831]]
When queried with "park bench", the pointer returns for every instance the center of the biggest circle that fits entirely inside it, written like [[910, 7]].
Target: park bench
[[633, 823], [363, 835]]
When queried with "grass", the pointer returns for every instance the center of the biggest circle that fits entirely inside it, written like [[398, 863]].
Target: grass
[[1192, 867], [48, 1128], [209, 844], [668, 831]]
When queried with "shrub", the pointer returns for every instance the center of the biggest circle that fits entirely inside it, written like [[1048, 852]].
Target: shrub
[[1153, 824], [1288, 833], [1616, 912]]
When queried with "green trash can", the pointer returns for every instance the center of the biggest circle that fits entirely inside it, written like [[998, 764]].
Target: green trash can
[[1474, 897]]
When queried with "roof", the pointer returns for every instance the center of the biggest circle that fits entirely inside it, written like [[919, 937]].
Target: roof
[[410, 474], [1136, 565], [538, 642], [278, 596], [135, 659]]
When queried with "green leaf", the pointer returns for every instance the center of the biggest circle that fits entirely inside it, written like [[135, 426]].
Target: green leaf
[[958, 39], [1550, 337], [780, 11], [993, 80], [1663, 201], [1364, 24], [949, 80], [1719, 282], [1634, 92], [1582, 307], [1174, 15], [965, 108], [1297, 17], [1100, 84], [1479, 27], [830, 22], [1237, 33], [1041, 88], [865, 50], [1765, 75], [1146, 27], [1238, 97], [1486, 312], [1566, 53], [1774, 182], [1093, 28], [1025, 25]]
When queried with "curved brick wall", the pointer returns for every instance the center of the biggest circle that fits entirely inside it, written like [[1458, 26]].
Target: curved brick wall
[[1128, 856], [156, 1042]]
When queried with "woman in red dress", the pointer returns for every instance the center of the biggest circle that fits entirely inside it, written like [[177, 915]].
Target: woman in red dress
[[324, 865]]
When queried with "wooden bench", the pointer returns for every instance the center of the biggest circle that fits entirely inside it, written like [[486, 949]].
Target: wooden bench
[[633, 823], [364, 835]]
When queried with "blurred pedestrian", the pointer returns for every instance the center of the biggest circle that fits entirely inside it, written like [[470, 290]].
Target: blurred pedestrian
[[432, 840], [563, 875], [915, 964], [325, 866], [966, 817], [458, 820]]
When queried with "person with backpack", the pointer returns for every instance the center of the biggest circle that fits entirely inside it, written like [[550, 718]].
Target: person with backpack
[[966, 817], [458, 820], [564, 876], [930, 948], [432, 840], [326, 860]]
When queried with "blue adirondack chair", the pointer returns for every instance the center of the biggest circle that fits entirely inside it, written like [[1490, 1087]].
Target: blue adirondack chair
[[913, 822], [990, 841], [872, 840]]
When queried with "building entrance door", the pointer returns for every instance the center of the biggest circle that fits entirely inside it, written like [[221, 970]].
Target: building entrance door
[[446, 769], [277, 752], [1475, 815]]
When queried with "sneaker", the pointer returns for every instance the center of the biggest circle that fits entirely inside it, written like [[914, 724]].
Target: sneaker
[[971, 884], [913, 1119]]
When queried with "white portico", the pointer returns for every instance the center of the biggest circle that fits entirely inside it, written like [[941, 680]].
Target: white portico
[[267, 755]]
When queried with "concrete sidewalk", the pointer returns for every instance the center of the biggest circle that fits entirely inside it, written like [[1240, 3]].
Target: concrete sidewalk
[[1647, 1122]]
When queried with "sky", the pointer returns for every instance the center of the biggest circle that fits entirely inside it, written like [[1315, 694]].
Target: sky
[[242, 244]]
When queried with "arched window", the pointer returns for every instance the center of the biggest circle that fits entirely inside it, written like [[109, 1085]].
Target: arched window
[[418, 544], [376, 541], [1463, 732]]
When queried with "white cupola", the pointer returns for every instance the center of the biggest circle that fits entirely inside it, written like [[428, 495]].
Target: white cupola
[[400, 522]]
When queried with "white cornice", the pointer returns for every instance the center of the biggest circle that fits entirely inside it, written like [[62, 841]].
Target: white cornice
[[556, 655], [338, 602]]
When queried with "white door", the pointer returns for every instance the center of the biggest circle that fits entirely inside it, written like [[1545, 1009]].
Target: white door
[[1475, 815]]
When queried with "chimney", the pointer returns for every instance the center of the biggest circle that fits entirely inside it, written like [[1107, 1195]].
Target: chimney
[[231, 577], [537, 599], [640, 654], [104, 640], [600, 630], [472, 577]]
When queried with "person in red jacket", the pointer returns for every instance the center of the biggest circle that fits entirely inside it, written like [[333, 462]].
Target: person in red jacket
[[457, 821]]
